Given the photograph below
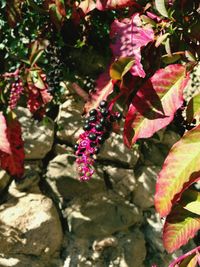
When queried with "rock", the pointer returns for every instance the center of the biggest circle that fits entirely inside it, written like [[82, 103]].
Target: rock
[[143, 195], [29, 225], [63, 178], [37, 136], [69, 120], [122, 249], [100, 215], [123, 180], [134, 250], [4, 180], [153, 153], [115, 150], [16, 260]]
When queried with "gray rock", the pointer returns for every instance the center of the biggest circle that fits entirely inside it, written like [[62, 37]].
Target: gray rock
[[143, 195], [133, 244], [123, 180], [115, 150], [4, 180], [29, 225], [122, 249], [63, 178], [100, 215], [69, 120], [38, 136]]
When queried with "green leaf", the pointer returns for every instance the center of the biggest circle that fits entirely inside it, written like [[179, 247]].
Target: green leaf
[[179, 227], [160, 6], [37, 80], [191, 201], [120, 67], [193, 108], [161, 39], [170, 59], [180, 167]]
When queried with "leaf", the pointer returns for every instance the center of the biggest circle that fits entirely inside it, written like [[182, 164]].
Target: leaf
[[13, 10], [4, 142], [191, 201], [169, 59], [87, 6], [112, 4], [181, 165], [13, 163], [36, 50], [60, 4], [179, 227], [104, 87], [160, 6], [161, 39], [155, 103], [193, 108], [128, 36], [189, 259], [57, 11], [120, 67]]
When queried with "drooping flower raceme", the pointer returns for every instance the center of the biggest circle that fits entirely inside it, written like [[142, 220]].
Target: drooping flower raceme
[[97, 128]]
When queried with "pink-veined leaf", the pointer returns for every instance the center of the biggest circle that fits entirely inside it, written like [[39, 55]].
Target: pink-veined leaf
[[104, 87], [13, 163], [181, 165], [4, 142], [179, 227], [128, 36], [189, 259], [112, 4], [155, 103]]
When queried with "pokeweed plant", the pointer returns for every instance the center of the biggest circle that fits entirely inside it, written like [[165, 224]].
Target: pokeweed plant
[[154, 47]]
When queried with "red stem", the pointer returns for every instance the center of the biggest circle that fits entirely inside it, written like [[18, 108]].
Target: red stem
[[181, 258]]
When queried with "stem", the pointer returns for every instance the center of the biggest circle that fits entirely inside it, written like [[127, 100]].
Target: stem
[[181, 258]]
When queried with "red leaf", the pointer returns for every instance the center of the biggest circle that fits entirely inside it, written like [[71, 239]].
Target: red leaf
[[180, 226], [128, 37], [186, 260], [4, 142], [13, 163], [38, 95], [104, 87], [112, 4], [149, 113]]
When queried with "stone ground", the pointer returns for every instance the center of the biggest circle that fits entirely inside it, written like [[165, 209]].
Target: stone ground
[[51, 219]]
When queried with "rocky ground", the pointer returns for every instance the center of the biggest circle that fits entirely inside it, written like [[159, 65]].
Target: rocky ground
[[51, 219]]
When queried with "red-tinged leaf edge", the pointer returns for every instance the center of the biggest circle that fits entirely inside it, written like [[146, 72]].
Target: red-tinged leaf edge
[[190, 253], [180, 226], [149, 113], [176, 175]]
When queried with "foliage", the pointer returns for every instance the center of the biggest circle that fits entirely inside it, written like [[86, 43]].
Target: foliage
[[141, 54]]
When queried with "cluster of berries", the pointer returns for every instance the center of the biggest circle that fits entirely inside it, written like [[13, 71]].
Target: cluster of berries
[[15, 93], [97, 128]]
